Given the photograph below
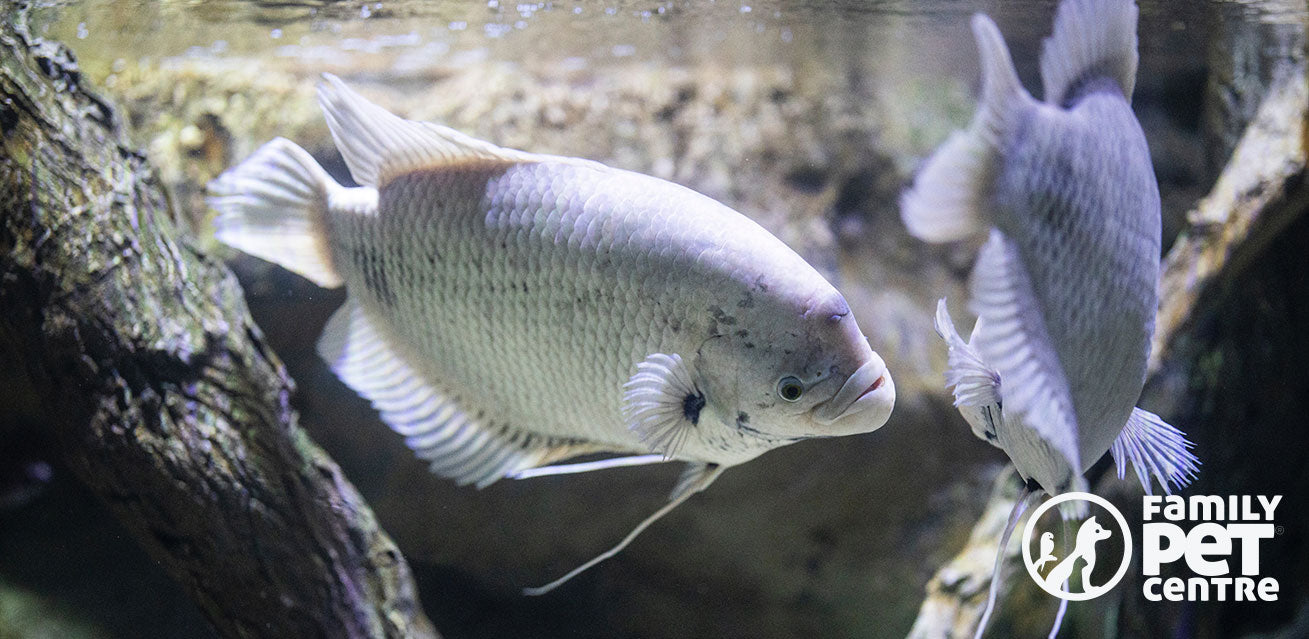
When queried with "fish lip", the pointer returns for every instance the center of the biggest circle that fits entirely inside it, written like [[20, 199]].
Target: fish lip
[[869, 388]]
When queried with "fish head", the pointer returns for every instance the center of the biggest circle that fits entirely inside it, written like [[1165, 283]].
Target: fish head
[[797, 369]]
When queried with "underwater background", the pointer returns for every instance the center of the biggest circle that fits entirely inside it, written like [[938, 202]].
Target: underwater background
[[810, 117]]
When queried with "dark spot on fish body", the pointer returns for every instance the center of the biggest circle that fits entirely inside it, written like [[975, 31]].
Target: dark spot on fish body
[[742, 333], [749, 344], [747, 301], [1097, 79], [989, 431], [719, 317], [742, 419], [692, 404]]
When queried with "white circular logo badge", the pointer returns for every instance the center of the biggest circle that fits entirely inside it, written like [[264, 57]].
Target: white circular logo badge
[[1058, 570]]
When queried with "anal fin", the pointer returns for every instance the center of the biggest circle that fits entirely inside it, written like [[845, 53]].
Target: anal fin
[[1155, 449], [458, 445]]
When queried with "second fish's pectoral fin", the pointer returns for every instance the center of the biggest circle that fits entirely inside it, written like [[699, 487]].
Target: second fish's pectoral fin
[[458, 445], [976, 386], [378, 145], [1016, 344], [662, 403], [1156, 449]]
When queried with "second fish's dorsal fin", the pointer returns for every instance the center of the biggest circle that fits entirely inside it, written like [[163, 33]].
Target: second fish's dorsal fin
[[465, 447], [378, 145], [1092, 39]]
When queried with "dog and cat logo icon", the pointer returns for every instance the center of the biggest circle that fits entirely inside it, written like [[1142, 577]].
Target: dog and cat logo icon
[[1053, 568]]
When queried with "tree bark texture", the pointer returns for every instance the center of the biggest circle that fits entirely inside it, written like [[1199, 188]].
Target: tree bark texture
[[157, 383]]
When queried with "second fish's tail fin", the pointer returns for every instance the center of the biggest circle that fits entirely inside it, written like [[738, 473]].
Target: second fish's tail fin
[[1092, 40], [949, 198], [273, 206]]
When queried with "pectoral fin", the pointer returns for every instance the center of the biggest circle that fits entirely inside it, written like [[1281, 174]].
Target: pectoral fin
[[976, 386], [1155, 449], [662, 403]]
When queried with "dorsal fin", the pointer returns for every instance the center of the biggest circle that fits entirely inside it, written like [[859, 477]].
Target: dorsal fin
[[378, 145], [1092, 39]]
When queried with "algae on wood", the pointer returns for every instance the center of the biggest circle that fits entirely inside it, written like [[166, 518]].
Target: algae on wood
[[157, 383]]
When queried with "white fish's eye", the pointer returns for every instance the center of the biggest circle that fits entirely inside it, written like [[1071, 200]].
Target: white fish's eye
[[790, 388]]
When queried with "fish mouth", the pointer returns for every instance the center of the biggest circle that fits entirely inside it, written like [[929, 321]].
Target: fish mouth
[[863, 403]]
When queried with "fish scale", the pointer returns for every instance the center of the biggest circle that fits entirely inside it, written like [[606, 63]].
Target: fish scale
[[1091, 269]]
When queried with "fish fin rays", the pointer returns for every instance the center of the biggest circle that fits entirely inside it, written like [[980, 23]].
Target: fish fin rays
[[1002, 93], [1156, 450], [662, 403], [457, 444], [1091, 39], [588, 466], [949, 199], [976, 386], [1015, 343], [378, 145], [696, 477], [272, 206]]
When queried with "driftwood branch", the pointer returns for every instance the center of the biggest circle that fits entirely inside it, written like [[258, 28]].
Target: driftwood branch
[[1261, 192], [157, 383]]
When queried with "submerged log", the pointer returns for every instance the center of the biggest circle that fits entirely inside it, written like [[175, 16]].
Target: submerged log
[[158, 385], [1260, 195]]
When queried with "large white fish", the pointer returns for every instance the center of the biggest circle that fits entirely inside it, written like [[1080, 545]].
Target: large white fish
[[508, 310], [1065, 287]]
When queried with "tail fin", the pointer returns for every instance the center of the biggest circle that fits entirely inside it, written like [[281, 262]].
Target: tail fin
[[948, 199], [272, 206], [1092, 39]]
